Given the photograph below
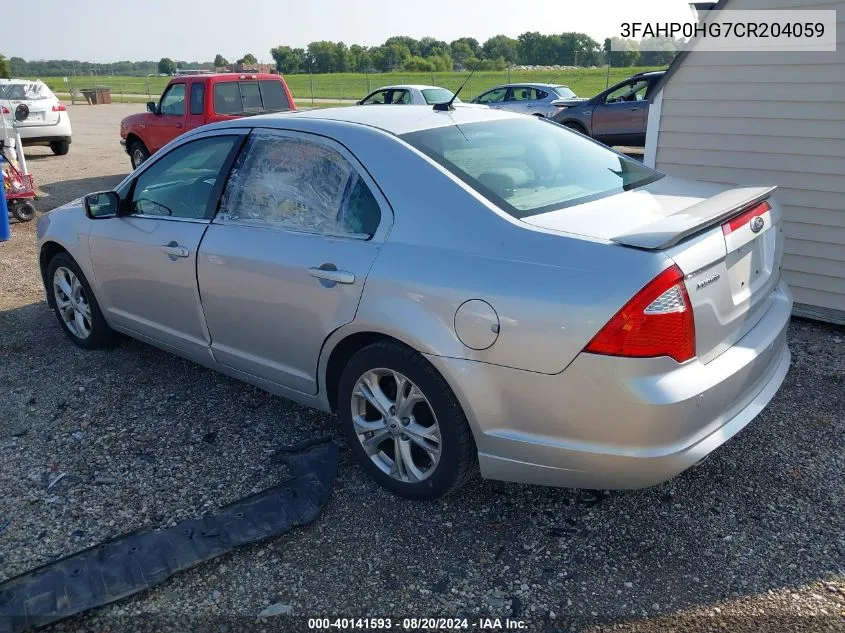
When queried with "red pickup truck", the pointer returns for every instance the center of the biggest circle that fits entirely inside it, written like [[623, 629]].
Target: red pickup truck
[[194, 100]]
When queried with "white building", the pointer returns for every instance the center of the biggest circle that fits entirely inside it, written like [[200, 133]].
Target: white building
[[767, 118]]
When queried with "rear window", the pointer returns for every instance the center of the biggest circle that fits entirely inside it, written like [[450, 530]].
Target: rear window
[[528, 166], [563, 92], [436, 95], [28, 91], [238, 97]]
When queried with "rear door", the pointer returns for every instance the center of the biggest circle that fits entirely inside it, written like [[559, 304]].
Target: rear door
[[622, 115], [284, 263], [145, 259]]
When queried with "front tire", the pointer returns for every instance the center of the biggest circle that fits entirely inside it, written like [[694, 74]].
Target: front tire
[[75, 306], [60, 148], [138, 154], [577, 127], [403, 423]]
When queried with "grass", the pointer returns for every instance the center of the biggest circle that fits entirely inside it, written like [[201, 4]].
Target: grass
[[585, 82]]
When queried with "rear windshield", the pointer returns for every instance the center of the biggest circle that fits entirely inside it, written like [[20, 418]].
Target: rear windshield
[[528, 166], [238, 97], [25, 91], [436, 95], [563, 92]]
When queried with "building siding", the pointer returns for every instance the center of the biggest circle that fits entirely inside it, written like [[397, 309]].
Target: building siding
[[769, 118]]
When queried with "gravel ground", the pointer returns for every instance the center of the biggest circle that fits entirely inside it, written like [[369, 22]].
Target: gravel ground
[[751, 540]]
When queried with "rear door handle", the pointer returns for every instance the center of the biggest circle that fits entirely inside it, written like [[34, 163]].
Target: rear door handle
[[336, 276], [173, 249]]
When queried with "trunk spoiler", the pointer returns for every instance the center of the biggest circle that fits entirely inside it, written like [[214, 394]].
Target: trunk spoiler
[[672, 229]]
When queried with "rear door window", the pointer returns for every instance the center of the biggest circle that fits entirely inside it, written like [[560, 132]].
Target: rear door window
[[523, 93], [197, 98]]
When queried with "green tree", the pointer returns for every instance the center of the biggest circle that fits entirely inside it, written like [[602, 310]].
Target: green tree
[[500, 46], [343, 60], [249, 58], [417, 64], [288, 60], [430, 47], [359, 58], [625, 52], [220, 61], [166, 66], [4, 68]]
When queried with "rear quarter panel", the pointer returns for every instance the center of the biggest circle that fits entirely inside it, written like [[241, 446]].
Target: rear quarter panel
[[552, 291]]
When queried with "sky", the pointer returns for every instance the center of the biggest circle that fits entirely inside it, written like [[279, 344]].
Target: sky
[[112, 30]]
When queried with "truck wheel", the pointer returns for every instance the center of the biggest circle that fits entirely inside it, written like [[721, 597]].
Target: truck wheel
[[60, 148], [138, 154], [23, 211]]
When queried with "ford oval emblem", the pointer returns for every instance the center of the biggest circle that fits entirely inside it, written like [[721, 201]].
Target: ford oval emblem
[[757, 224]]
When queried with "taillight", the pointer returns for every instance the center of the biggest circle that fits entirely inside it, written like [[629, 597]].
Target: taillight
[[658, 321], [745, 217], [59, 107], [5, 110]]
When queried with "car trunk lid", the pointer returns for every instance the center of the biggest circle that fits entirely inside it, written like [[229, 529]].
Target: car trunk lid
[[727, 243]]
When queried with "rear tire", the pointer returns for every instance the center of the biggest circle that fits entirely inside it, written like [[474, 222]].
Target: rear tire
[[75, 305], [60, 148], [138, 154], [436, 446], [23, 211]]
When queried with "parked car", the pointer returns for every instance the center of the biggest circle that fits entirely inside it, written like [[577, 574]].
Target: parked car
[[194, 100], [462, 288], [48, 122], [617, 116], [408, 95], [535, 99]]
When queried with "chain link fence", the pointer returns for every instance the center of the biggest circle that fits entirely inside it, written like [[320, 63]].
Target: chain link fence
[[347, 88]]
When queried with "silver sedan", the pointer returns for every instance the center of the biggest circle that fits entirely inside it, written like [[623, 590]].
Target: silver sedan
[[465, 289]]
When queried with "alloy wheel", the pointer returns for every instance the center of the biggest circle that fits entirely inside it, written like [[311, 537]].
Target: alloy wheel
[[396, 425], [71, 302]]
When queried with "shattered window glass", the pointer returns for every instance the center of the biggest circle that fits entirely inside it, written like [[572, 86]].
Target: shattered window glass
[[29, 91], [295, 184]]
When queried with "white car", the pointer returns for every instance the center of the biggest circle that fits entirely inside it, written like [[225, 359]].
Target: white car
[[47, 123], [410, 95]]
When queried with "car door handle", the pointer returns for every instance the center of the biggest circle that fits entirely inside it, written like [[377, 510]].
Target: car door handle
[[337, 276], [173, 249]]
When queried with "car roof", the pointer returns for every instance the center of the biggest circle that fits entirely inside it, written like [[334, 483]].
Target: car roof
[[409, 87], [411, 118], [530, 84]]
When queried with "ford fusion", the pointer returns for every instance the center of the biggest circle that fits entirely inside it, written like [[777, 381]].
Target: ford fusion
[[466, 289]]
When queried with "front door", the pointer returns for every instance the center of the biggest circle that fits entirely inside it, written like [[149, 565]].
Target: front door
[[284, 262], [169, 122], [622, 117], [145, 259]]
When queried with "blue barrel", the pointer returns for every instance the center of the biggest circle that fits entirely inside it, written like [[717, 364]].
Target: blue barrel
[[4, 211]]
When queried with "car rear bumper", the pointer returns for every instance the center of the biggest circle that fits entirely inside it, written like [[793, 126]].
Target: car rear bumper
[[619, 423], [48, 133]]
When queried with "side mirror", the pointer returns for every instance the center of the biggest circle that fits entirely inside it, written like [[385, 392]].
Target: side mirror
[[361, 102], [152, 107], [103, 204]]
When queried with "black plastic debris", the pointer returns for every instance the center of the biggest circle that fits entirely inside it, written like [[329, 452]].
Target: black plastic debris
[[140, 560]]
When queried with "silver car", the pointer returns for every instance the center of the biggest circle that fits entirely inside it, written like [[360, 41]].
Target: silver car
[[465, 289], [528, 98]]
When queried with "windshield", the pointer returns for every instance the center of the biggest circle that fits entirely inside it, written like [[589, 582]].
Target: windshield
[[437, 95], [27, 91], [563, 92], [528, 166]]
